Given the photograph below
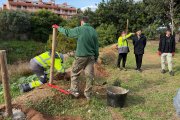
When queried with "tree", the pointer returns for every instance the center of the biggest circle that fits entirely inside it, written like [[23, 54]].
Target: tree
[[106, 34], [41, 23], [14, 23], [116, 12]]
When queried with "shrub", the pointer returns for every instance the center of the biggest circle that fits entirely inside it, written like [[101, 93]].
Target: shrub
[[107, 34]]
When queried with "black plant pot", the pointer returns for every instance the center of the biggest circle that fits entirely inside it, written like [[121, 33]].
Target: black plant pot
[[116, 96]]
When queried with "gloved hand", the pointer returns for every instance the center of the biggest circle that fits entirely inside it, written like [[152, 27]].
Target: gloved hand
[[159, 53], [55, 26], [173, 54]]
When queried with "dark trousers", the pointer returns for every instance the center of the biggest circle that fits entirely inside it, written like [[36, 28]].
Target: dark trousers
[[39, 71], [122, 56], [138, 60]]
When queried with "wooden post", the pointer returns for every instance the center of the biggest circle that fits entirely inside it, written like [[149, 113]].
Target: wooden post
[[127, 25], [5, 82], [52, 55]]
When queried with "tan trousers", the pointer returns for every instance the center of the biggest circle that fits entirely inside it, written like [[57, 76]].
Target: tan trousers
[[86, 64], [166, 57]]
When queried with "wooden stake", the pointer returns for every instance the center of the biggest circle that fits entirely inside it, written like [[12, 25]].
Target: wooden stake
[[5, 82], [52, 55], [127, 26]]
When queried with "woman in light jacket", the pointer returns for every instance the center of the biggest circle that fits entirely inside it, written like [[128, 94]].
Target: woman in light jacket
[[123, 49]]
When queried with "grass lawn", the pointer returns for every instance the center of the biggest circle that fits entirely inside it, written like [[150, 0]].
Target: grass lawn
[[150, 97], [151, 93], [21, 50]]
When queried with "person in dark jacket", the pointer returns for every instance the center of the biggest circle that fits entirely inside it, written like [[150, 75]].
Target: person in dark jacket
[[139, 42], [166, 50]]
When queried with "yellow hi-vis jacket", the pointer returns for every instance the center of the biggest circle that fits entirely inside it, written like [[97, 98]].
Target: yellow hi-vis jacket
[[122, 41], [44, 60]]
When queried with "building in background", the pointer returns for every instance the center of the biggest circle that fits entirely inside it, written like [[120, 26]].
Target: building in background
[[64, 10]]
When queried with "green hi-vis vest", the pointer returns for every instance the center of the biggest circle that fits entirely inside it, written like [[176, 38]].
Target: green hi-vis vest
[[122, 41], [44, 60]]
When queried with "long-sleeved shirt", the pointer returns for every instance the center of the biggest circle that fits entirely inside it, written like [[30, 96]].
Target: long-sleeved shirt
[[139, 44], [167, 44], [87, 40]]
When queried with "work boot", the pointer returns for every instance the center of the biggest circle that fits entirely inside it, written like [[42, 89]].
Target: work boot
[[119, 68], [124, 69], [24, 88], [139, 70], [163, 71], [171, 73], [136, 69], [73, 93]]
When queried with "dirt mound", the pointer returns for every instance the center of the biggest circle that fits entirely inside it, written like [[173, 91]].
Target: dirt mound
[[108, 55], [35, 95], [100, 71]]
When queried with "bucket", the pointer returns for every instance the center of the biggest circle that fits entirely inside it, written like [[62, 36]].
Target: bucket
[[116, 96]]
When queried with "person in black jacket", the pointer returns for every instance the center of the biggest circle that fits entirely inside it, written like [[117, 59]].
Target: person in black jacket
[[139, 42], [166, 50]]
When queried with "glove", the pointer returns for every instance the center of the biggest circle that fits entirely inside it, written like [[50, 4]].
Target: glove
[[55, 26], [159, 53], [173, 54]]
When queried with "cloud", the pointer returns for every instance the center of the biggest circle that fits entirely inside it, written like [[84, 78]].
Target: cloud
[[92, 7]]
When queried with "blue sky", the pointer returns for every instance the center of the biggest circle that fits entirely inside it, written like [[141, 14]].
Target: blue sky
[[75, 3]]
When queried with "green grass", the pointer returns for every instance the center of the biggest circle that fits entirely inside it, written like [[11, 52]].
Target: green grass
[[151, 93], [150, 97], [65, 105], [21, 50]]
